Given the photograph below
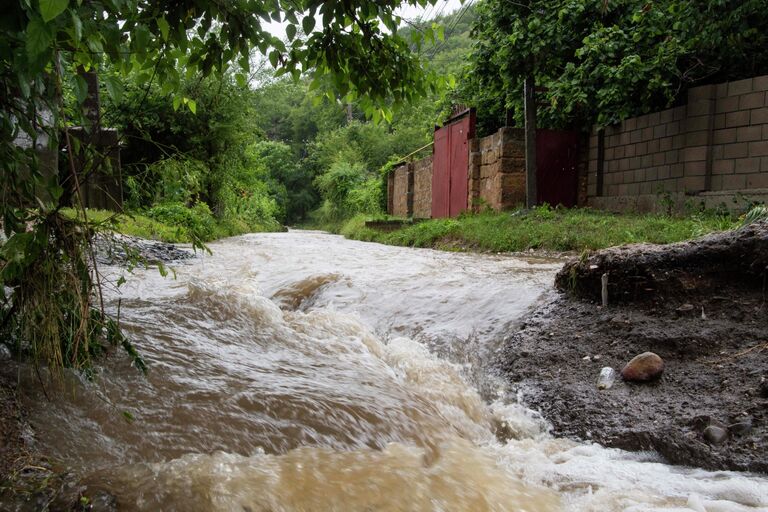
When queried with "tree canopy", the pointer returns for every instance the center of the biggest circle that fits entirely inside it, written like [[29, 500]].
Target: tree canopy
[[603, 61]]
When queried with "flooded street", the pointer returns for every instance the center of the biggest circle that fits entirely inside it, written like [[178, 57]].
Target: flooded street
[[304, 372]]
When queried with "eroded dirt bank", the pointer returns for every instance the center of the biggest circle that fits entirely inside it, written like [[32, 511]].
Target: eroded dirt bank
[[700, 305]]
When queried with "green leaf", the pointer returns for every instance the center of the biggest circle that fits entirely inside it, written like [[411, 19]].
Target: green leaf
[[290, 31], [240, 79], [80, 89], [39, 37], [273, 58], [140, 36], [56, 192], [24, 86], [389, 22], [192, 105], [15, 248], [143, 78], [77, 24], [308, 23], [244, 63], [49, 9], [114, 88], [162, 24]]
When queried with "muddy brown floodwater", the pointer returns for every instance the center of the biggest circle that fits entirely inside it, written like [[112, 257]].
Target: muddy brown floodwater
[[304, 372]]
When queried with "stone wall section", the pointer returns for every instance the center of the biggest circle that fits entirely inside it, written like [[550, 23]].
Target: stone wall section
[[422, 188], [709, 151], [497, 170], [496, 177], [399, 180]]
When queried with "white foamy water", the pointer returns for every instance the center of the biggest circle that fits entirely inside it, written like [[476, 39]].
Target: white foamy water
[[303, 372]]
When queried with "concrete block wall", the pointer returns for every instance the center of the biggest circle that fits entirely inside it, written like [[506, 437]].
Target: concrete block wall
[[709, 151], [409, 190]]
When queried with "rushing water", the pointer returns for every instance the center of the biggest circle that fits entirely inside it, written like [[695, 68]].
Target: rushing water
[[304, 372]]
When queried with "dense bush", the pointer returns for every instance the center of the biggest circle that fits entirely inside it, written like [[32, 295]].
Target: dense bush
[[177, 159], [337, 183], [197, 220]]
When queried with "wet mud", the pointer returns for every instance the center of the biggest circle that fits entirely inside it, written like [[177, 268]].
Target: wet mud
[[701, 305]]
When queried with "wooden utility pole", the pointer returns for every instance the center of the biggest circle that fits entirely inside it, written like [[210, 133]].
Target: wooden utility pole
[[529, 100]]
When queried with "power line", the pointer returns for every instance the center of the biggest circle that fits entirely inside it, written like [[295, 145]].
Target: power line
[[450, 29]]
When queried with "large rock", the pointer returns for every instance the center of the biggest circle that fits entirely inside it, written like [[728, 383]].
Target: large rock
[[715, 435], [643, 368]]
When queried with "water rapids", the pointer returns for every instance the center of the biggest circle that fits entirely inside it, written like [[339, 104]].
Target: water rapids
[[304, 372]]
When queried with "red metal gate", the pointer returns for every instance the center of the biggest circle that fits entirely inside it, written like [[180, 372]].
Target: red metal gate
[[556, 161], [450, 179]]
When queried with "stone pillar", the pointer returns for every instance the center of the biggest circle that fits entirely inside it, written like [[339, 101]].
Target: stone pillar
[[512, 167], [475, 162], [409, 200]]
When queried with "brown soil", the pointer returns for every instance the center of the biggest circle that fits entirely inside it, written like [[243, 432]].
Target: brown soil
[[27, 481], [11, 439], [30, 481], [701, 306]]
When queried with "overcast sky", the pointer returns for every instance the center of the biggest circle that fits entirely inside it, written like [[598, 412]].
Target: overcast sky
[[410, 12], [407, 12]]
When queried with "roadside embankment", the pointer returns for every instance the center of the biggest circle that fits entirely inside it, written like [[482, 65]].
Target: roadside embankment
[[702, 306], [542, 228], [173, 224]]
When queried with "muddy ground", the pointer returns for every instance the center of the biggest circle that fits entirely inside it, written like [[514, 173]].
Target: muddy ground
[[11, 423], [702, 306], [28, 480]]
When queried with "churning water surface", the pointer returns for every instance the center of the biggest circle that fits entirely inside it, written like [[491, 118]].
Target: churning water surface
[[304, 372]]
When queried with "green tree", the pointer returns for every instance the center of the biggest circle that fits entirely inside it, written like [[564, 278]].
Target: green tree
[[289, 181], [603, 61]]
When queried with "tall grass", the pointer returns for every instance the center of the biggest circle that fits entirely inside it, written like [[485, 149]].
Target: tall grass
[[50, 310]]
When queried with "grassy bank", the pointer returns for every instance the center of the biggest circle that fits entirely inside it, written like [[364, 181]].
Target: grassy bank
[[542, 228], [175, 225]]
